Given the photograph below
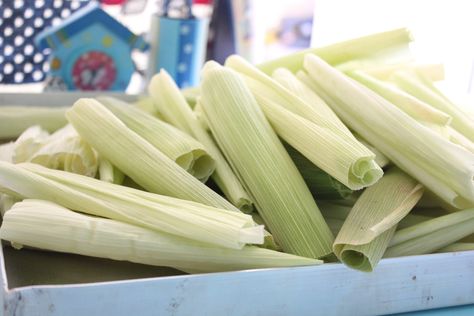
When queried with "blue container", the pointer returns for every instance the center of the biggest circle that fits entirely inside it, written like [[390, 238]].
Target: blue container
[[178, 46]]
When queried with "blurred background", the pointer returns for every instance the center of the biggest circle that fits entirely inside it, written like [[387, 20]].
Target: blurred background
[[40, 39]]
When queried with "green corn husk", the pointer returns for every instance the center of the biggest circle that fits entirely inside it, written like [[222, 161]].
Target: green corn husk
[[256, 154], [384, 71], [305, 128], [66, 150], [380, 158], [137, 158], [172, 104], [368, 46], [147, 105], [46, 225], [335, 215], [460, 139], [330, 210], [179, 217], [177, 145], [6, 203], [431, 235], [28, 143], [370, 225], [191, 95], [457, 247], [424, 90], [417, 109], [109, 173], [441, 166], [321, 185], [14, 120]]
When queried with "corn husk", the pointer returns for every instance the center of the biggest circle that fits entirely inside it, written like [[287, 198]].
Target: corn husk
[[179, 217], [374, 45], [384, 71], [49, 226], [177, 145], [66, 150], [15, 119], [417, 109], [424, 90], [321, 184], [6, 151], [306, 128], [258, 157], [431, 235], [109, 173], [172, 104], [441, 166], [28, 143], [137, 158], [370, 225]]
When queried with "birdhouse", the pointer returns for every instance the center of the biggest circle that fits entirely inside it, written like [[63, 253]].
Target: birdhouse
[[91, 51]]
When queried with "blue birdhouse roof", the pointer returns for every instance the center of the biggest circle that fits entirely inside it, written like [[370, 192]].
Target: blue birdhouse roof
[[82, 19]]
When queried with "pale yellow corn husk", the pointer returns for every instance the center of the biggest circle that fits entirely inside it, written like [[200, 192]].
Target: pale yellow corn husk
[[374, 45], [137, 158], [6, 151], [337, 212], [308, 130], [179, 217], [29, 142], [66, 150], [367, 231], [6, 203], [459, 139], [191, 95], [380, 158], [187, 152], [172, 104], [256, 154], [432, 235], [147, 105], [417, 109], [110, 173], [384, 71], [15, 119], [424, 90], [441, 166], [46, 225], [457, 247], [321, 114]]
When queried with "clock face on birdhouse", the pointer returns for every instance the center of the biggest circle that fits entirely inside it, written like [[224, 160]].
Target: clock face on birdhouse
[[94, 70]]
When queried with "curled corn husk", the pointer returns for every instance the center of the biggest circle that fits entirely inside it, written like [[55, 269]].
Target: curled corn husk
[[258, 157], [177, 145], [174, 216], [424, 90], [304, 125], [49, 226], [136, 157], [172, 104], [417, 109], [371, 223], [441, 166], [373, 45], [431, 235]]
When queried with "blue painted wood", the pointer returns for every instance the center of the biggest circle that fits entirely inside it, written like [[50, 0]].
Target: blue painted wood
[[397, 285]]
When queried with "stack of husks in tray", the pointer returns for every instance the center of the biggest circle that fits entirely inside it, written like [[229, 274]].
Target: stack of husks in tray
[[342, 153]]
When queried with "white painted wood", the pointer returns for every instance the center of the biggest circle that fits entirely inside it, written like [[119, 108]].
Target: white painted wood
[[397, 285]]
